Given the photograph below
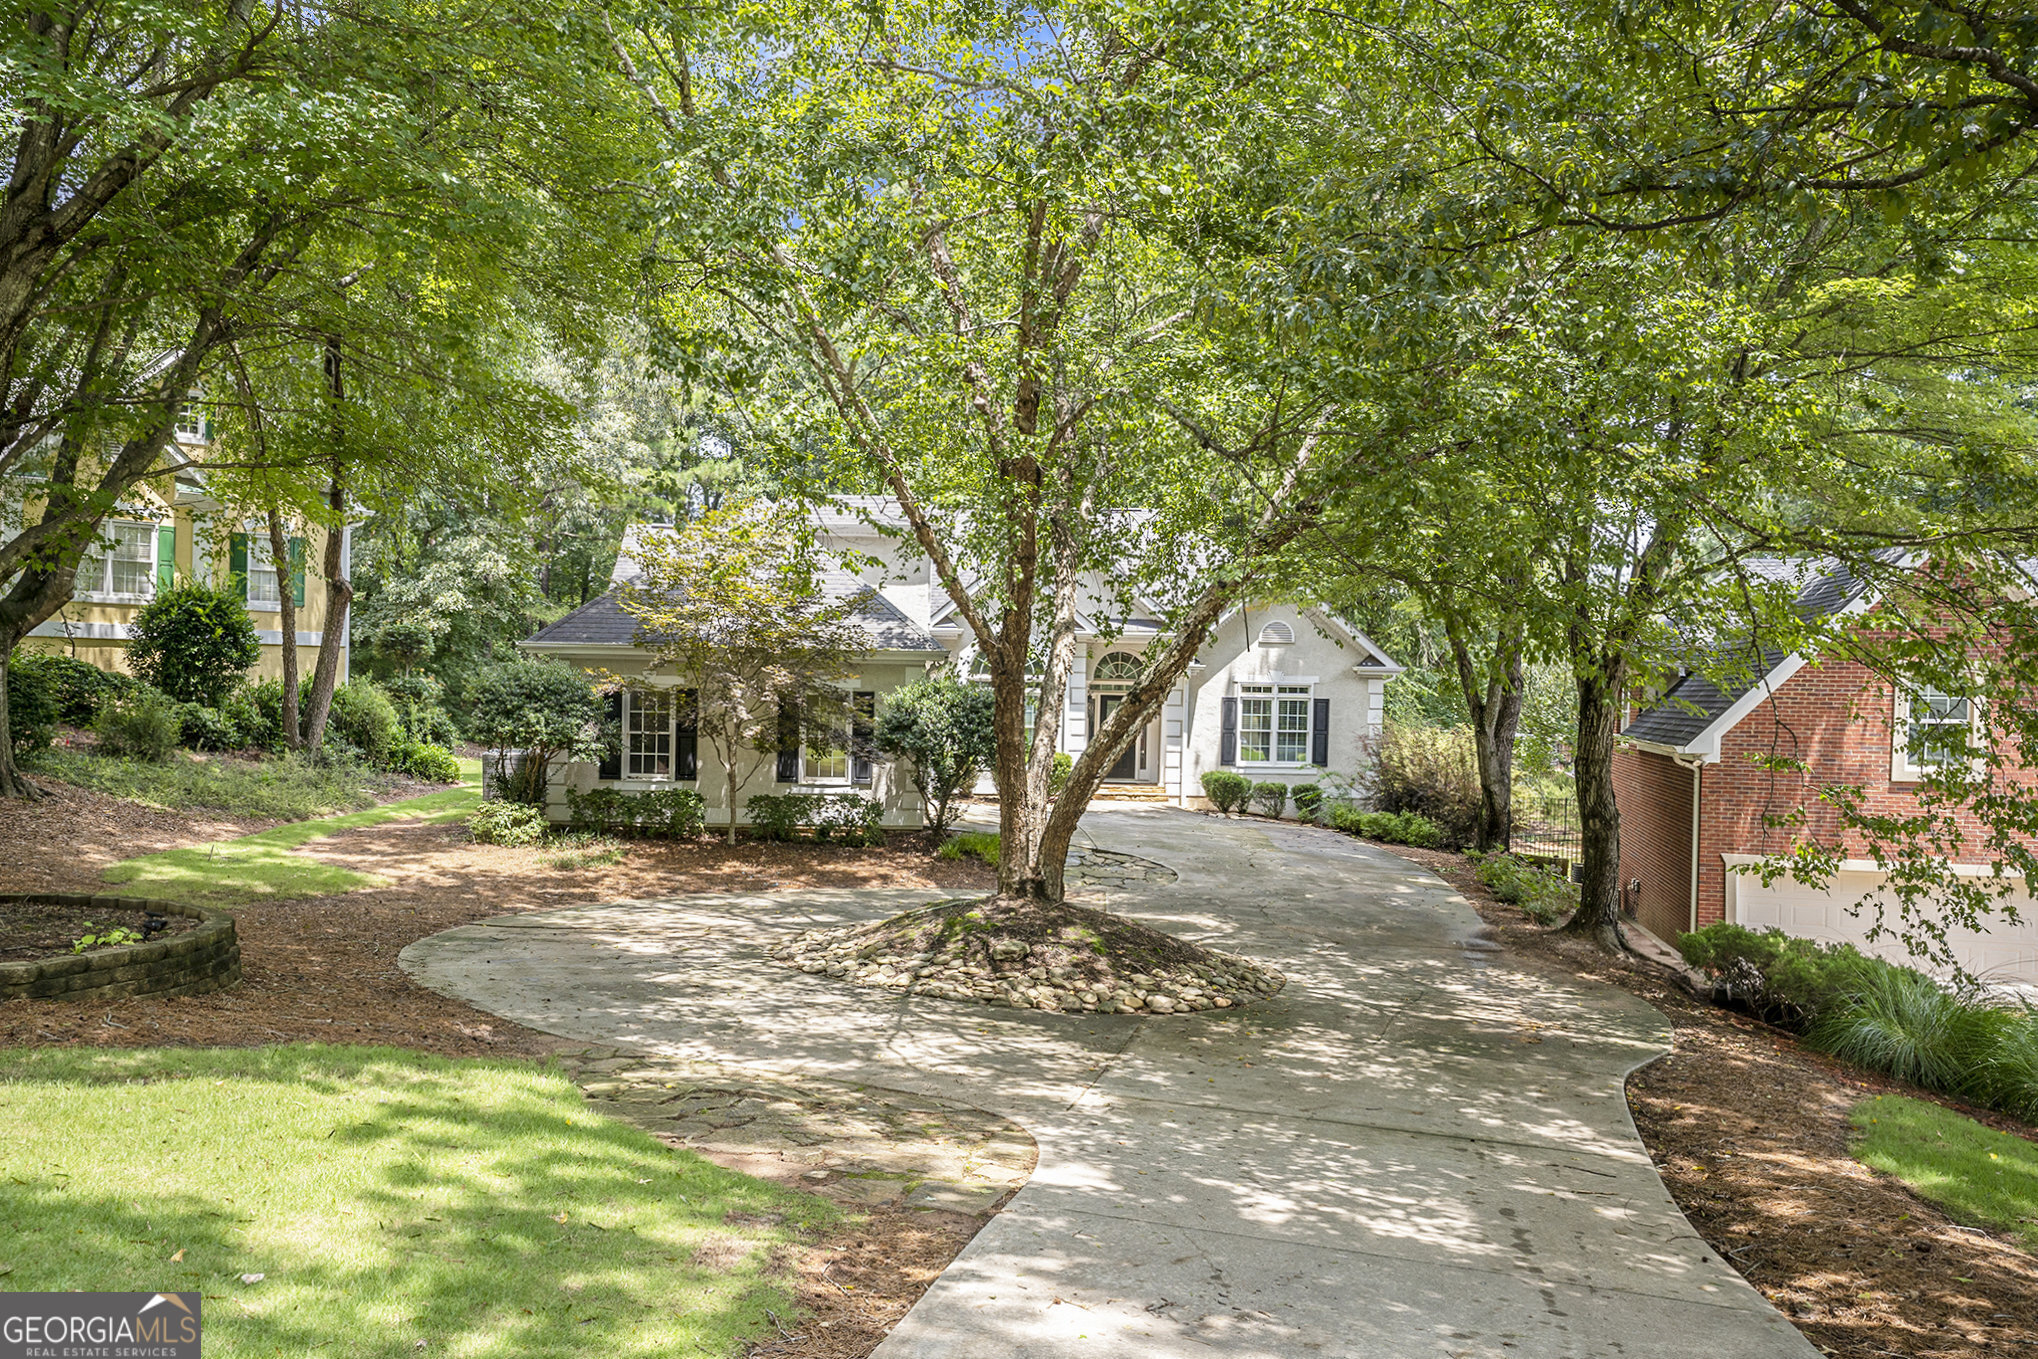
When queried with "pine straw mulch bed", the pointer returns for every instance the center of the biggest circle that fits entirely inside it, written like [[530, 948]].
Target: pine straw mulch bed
[[63, 842], [1750, 1132], [1028, 955]]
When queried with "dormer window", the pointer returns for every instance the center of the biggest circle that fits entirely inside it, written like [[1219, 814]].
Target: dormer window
[[192, 427], [1277, 633]]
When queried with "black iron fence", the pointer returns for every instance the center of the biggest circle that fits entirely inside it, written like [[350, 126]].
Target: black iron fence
[[1551, 830]]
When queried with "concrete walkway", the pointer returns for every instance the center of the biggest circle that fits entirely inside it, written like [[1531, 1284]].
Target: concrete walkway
[[1419, 1148]]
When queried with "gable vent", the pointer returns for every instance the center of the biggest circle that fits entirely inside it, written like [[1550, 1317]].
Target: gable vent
[[1276, 634]]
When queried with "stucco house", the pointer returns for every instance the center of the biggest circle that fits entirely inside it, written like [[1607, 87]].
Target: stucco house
[[1698, 790], [172, 528], [1283, 690]]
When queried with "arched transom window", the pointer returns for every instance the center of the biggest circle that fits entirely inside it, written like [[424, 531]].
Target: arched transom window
[[1119, 668]]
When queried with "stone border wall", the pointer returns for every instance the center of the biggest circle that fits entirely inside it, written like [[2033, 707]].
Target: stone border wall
[[207, 958]]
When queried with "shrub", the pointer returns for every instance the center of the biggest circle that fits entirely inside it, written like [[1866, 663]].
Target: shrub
[[1227, 791], [1786, 981], [419, 700], [77, 688], [680, 813], [979, 845], [584, 851], [194, 642], [506, 823], [1308, 801], [1433, 773], [847, 819], [538, 711], [363, 717], [141, 727], [256, 711], [1270, 797], [426, 763], [942, 729], [1543, 896], [1395, 828], [1058, 773], [203, 728], [776, 816], [33, 703]]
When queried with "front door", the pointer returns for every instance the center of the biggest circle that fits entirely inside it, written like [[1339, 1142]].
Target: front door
[[1123, 771]]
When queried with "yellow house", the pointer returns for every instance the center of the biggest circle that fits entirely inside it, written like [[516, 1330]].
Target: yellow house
[[170, 530]]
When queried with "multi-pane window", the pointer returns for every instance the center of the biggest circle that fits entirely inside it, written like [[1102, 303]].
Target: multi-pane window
[[264, 585], [191, 422], [827, 757], [1273, 723], [647, 737], [1941, 728], [1291, 723], [128, 569]]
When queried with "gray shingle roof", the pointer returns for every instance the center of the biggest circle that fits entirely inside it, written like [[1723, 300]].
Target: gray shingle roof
[[1695, 702], [604, 621]]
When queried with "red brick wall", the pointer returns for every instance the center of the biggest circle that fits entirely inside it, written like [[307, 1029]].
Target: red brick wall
[[1837, 719], [1653, 793]]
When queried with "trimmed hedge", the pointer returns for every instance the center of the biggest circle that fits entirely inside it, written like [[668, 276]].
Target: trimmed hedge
[[1270, 798], [676, 813], [840, 818], [1395, 828], [507, 823], [1308, 800], [1227, 791]]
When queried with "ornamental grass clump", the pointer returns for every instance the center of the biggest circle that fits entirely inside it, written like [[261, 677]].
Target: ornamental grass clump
[[1956, 1040]]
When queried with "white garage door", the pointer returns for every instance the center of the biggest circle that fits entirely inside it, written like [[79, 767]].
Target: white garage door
[[2006, 953]]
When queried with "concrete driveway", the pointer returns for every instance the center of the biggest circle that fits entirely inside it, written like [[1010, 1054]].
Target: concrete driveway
[[1419, 1148]]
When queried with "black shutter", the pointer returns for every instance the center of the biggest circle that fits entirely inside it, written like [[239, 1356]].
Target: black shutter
[[862, 724], [686, 736], [1319, 733], [788, 742], [611, 766], [1227, 745]]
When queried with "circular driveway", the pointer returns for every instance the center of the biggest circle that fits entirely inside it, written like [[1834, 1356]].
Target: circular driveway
[[1420, 1147]]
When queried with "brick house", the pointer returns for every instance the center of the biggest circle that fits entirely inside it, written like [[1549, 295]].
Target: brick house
[[1694, 793]]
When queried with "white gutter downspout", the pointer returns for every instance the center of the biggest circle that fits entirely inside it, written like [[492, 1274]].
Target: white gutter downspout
[[1694, 763]]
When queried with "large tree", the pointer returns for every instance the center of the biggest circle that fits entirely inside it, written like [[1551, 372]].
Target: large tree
[[221, 181], [994, 266]]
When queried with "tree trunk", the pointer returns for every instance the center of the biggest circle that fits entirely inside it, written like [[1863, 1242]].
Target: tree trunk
[[1599, 714], [339, 595], [1494, 705], [279, 552], [13, 783]]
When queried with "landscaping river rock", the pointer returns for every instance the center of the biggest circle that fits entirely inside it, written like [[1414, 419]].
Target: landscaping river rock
[[1065, 958]]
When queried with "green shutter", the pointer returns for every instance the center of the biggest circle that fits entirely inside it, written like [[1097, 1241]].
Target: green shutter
[[166, 555], [237, 562], [297, 572]]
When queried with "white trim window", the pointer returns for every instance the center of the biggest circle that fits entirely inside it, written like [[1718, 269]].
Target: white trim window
[[192, 426], [126, 572], [647, 736], [824, 758], [1273, 723], [1933, 728], [265, 585]]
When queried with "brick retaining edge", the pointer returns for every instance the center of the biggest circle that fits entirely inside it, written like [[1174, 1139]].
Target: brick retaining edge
[[204, 959]]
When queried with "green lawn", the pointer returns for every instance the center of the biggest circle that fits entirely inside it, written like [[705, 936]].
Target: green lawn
[[282, 788], [261, 866], [1979, 1176], [393, 1203]]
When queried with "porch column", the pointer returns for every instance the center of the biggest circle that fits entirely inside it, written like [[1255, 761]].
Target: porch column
[[1173, 725], [1075, 719]]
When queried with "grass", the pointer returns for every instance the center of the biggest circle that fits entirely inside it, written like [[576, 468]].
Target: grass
[[979, 845], [394, 1204], [1979, 1176], [283, 788], [582, 849], [261, 866]]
